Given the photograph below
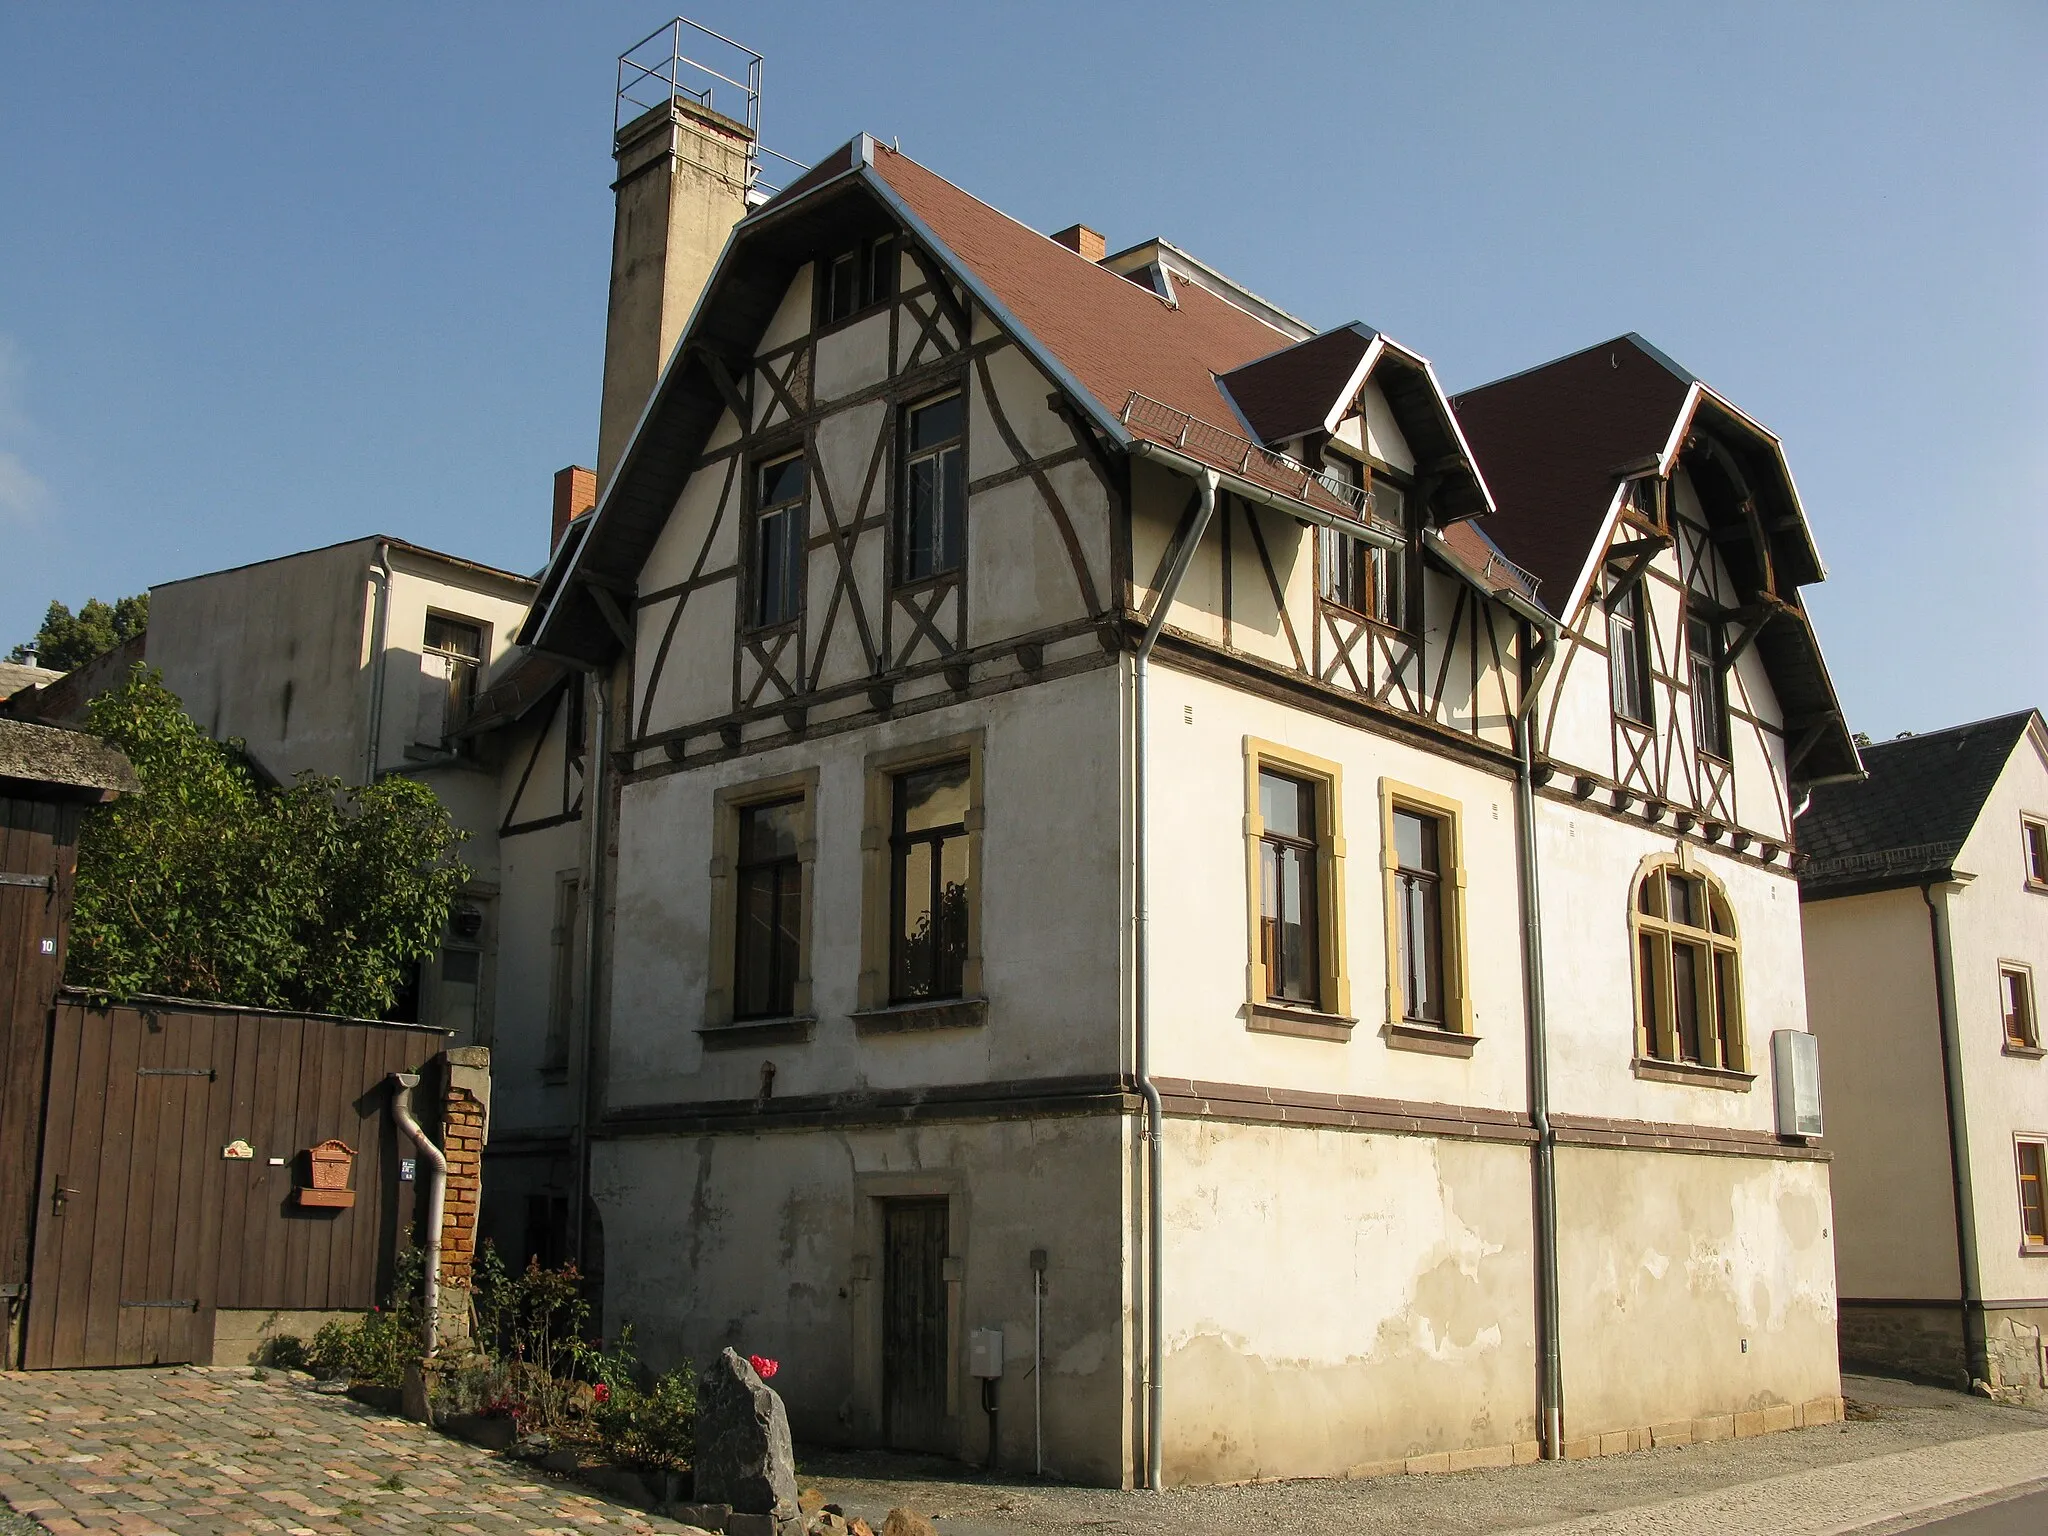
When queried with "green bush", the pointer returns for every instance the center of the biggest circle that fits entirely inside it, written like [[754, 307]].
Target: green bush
[[652, 1428], [377, 1347], [286, 1352]]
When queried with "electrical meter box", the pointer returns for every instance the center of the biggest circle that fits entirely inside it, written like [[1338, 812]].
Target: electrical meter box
[[985, 1353], [1795, 1073]]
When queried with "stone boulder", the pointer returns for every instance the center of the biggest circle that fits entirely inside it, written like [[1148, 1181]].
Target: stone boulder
[[743, 1452]]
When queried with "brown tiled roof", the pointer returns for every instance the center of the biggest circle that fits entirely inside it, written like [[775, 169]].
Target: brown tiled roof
[[1291, 392], [1550, 441], [1113, 336]]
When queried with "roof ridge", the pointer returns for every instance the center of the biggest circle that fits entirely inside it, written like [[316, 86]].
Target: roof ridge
[[1632, 337], [1951, 730]]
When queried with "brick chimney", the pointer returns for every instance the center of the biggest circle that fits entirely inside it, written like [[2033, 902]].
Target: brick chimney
[[682, 186], [575, 494], [1079, 237]]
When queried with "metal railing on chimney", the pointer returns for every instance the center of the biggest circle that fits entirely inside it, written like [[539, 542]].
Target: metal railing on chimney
[[655, 73]]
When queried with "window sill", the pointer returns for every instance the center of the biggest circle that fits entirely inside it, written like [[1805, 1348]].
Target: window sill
[[941, 1013], [1429, 1039], [2026, 1052], [792, 1030], [1693, 1077], [2034, 1250], [1302, 1023]]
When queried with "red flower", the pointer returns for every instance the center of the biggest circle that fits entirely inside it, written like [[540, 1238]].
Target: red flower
[[601, 1394], [763, 1367]]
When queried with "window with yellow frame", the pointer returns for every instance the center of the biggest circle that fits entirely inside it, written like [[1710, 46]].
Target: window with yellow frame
[[1688, 968], [1296, 982], [1422, 863]]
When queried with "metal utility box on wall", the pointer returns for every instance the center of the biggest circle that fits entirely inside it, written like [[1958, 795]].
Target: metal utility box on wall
[[985, 1353], [1795, 1073]]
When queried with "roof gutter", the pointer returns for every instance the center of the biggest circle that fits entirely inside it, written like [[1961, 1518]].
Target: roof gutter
[[1206, 487], [1249, 490]]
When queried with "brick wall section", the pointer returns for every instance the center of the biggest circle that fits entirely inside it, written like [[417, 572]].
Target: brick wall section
[[462, 1127]]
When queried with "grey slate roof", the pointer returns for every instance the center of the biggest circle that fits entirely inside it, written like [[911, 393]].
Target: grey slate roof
[[1907, 821], [46, 754]]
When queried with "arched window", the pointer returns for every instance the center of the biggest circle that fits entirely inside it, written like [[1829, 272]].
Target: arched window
[[1688, 970]]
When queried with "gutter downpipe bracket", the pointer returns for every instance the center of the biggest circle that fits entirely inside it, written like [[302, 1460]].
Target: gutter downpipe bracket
[[1206, 482]]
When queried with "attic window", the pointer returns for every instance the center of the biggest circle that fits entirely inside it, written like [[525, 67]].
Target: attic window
[[1645, 501], [860, 278]]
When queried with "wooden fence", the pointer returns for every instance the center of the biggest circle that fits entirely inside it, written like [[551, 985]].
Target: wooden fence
[[175, 1140]]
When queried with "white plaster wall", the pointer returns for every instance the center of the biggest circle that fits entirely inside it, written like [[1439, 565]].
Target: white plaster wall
[[1995, 918], [1670, 1264], [792, 321], [1051, 928], [1201, 926], [1335, 1299], [274, 653], [1588, 865], [850, 358], [770, 1244], [1870, 999], [521, 1097]]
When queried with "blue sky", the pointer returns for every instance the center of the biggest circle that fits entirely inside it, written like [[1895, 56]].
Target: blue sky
[[273, 276]]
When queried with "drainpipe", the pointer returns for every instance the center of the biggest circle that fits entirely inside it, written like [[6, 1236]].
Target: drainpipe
[[1550, 1369], [595, 796], [1970, 1282], [380, 626], [1141, 1024], [402, 1085]]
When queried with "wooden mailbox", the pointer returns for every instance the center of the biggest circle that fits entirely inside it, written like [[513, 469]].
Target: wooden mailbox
[[331, 1164]]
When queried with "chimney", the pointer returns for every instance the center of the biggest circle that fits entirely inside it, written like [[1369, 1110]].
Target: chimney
[[1079, 237], [575, 494], [682, 186]]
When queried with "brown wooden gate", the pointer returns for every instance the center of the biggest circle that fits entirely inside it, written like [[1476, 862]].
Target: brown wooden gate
[[914, 1325], [145, 1224]]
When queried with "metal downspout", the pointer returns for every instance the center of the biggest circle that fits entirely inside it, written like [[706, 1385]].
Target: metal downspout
[[1969, 1281], [402, 1085], [380, 627], [595, 797], [1141, 1030], [1550, 1354]]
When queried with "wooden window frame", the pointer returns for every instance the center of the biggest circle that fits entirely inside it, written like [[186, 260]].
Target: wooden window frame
[[473, 668], [2028, 1043], [1330, 1018], [2031, 824], [726, 805], [880, 770], [1333, 544], [1716, 668], [868, 295], [1657, 1053], [1449, 814], [1635, 655], [899, 551], [2032, 1244], [750, 613]]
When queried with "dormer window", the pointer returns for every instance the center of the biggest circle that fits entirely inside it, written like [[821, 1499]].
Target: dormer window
[[1645, 501], [1361, 576], [860, 278]]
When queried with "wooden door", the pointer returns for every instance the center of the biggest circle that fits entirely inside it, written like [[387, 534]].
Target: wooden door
[[914, 1325], [127, 1207]]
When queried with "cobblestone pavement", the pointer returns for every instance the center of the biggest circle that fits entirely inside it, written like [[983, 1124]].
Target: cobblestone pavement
[[224, 1452], [218, 1452]]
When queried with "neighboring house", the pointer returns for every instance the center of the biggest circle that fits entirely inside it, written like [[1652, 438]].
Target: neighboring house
[[19, 677], [360, 660], [1926, 919], [964, 956]]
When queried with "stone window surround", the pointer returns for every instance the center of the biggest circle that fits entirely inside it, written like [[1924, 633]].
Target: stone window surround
[[1456, 1036], [2021, 1139], [2031, 1048], [727, 804], [2029, 821], [1735, 1077], [879, 771], [1332, 1019]]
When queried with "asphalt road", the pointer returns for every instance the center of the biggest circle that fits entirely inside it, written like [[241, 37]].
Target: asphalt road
[[2025, 1516]]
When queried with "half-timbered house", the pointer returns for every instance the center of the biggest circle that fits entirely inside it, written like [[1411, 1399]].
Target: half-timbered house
[[1136, 824]]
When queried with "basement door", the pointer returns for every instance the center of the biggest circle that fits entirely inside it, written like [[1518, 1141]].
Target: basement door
[[914, 1325]]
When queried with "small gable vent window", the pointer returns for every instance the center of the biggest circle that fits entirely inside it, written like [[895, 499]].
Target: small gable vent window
[[860, 278]]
